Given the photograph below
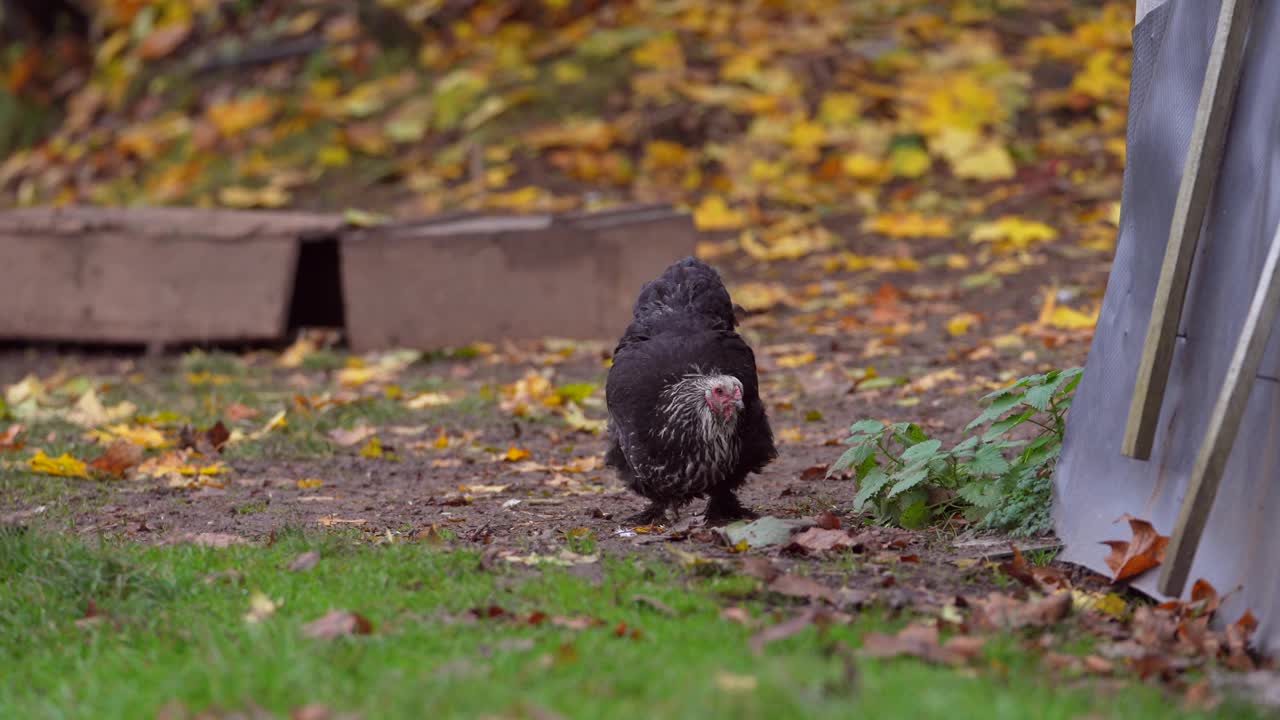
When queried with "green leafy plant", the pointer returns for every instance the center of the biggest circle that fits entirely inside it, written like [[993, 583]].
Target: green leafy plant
[[997, 479]]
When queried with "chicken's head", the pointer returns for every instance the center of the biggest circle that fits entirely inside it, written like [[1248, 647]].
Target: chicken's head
[[724, 396]]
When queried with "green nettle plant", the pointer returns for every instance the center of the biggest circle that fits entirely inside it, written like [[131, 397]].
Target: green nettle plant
[[908, 479]]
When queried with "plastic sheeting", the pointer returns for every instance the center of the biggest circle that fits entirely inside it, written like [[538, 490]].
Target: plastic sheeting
[[1094, 483]]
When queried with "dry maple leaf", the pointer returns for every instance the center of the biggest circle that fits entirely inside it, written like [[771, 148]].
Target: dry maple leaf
[[1205, 597], [205, 442], [218, 435], [1133, 557], [121, 457]]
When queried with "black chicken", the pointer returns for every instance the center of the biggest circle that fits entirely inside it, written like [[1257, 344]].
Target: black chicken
[[685, 417]]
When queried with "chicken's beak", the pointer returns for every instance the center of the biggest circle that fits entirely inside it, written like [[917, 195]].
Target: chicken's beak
[[737, 403]]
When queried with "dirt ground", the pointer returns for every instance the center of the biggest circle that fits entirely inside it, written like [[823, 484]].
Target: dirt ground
[[831, 331]]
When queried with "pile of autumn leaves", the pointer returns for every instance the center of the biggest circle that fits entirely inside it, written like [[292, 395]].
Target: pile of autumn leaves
[[1157, 642], [719, 107]]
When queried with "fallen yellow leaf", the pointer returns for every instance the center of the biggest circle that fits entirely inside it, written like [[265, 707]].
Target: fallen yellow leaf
[[147, 437], [1065, 318], [62, 466], [959, 324], [261, 607], [797, 360], [1012, 233], [908, 225], [909, 161], [235, 116], [755, 296], [372, 449], [428, 399], [791, 435], [713, 213]]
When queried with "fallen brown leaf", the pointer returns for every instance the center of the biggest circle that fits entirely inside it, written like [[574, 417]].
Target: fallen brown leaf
[[159, 43], [120, 457], [817, 539], [1044, 579], [1200, 696], [205, 442], [828, 520], [1205, 596], [759, 567], [785, 629], [798, 586], [1238, 635], [9, 438], [920, 640], [237, 412], [1098, 665], [337, 623], [813, 472], [1003, 612], [352, 436], [218, 435], [1133, 557]]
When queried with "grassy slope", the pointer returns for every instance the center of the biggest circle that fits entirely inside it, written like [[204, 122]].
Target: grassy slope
[[175, 636]]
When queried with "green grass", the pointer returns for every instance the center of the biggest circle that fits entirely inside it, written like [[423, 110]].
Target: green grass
[[174, 634]]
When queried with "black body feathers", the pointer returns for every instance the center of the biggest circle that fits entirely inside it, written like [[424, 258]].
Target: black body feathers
[[677, 362]]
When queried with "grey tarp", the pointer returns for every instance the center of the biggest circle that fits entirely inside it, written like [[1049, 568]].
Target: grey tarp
[[1094, 483]]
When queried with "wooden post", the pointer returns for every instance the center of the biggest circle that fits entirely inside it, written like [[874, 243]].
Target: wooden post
[[1199, 173], [1224, 423]]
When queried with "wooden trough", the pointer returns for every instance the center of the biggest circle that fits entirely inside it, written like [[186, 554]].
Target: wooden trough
[[169, 276]]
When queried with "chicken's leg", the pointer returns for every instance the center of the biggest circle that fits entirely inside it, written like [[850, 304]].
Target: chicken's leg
[[725, 507], [654, 513]]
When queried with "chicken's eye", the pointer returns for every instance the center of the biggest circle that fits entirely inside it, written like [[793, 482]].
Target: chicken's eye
[[717, 391]]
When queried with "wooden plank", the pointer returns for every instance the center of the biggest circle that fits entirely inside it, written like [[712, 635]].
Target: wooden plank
[[1199, 175], [150, 276], [474, 278], [1224, 423]]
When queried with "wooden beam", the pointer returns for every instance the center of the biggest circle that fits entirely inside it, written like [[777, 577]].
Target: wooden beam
[[1224, 423], [1199, 174]]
